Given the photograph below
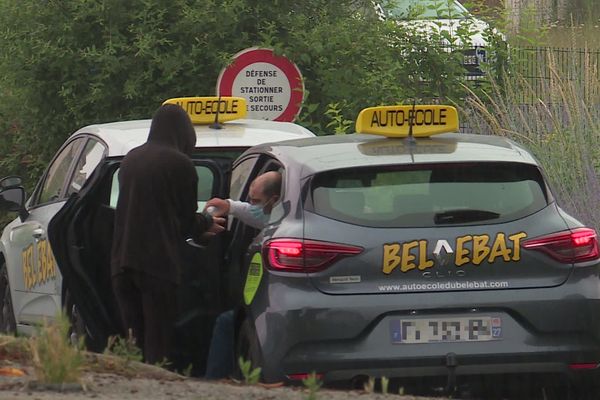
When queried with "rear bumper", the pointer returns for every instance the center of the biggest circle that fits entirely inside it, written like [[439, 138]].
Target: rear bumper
[[544, 331], [436, 366]]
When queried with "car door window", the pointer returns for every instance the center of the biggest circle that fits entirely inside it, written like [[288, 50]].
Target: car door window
[[89, 159], [206, 183], [239, 176], [52, 188], [278, 210], [206, 180]]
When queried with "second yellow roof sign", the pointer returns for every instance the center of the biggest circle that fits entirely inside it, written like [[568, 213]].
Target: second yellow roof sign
[[395, 121]]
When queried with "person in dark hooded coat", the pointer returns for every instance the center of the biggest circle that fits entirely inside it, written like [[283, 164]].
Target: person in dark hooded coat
[[155, 214]]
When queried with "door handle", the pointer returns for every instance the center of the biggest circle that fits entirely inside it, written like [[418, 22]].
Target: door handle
[[38, 233], [193, 243]]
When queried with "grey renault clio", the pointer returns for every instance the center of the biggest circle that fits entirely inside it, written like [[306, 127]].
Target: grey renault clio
[[410, 250]]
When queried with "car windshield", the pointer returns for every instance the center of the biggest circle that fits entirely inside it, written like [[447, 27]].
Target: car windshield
[[426, 9], [430, 195]]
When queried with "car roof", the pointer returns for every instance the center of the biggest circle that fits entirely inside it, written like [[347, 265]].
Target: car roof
[[345, 151], [124, 136]]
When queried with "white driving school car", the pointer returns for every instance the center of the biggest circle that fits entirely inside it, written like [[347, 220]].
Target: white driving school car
[[32, 284]]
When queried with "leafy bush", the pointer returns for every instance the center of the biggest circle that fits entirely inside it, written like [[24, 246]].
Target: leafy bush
[[68, 64]]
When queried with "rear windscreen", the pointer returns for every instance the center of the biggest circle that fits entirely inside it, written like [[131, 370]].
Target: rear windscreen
[[429, 195]]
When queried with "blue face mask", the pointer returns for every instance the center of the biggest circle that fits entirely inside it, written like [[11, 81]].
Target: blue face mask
[[257, 211]]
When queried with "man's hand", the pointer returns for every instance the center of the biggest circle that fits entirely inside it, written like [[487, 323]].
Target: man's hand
[[218, 226], [221, 205]]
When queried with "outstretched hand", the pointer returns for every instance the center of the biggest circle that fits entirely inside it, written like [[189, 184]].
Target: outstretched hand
[[221, 207]]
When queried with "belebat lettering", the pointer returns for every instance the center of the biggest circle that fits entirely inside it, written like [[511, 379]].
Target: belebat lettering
[[473, 249], [394, 118], [210, 107]]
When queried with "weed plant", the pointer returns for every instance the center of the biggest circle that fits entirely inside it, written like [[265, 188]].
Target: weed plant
[[385, 382], [312, 384], [55, 359], [369, 385], [125, 348], [560, 126], [251, 375]]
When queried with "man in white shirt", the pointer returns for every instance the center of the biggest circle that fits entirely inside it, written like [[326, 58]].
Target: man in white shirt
[[263, 194]]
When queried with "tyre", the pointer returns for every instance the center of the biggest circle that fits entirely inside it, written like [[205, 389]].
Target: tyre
[[8, 324], [247, 348]]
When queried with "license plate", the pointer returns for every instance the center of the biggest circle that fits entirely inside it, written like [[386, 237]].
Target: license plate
[[471, 60], [436, 330]]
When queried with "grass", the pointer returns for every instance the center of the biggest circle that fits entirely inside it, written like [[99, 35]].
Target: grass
[[312, 383], [560, 125], [251, 375], [55, 360], [125, 348], [580, 36], [14, 349]]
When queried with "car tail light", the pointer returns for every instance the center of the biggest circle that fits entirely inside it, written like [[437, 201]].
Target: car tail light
[[297, 255], [303, 376], [574, 246], [580, 366]]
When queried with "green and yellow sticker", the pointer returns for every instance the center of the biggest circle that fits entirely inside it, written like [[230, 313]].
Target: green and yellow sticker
[[255, 273]]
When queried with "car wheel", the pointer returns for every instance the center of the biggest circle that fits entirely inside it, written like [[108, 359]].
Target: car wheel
[[247, 348], [8, 324]]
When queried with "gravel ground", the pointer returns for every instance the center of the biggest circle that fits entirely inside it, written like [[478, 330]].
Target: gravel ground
[[110, 377], [113, 387]]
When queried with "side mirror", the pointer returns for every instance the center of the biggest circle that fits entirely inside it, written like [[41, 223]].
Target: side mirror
[[10, 182], [12, 199]]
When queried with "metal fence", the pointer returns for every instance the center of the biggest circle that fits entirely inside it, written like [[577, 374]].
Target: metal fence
[[539, 68], [548, 78]]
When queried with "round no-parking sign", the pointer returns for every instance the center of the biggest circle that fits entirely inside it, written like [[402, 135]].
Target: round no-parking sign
[[272, 85]]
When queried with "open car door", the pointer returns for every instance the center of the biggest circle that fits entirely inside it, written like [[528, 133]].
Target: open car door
[[81, 235], [81, 238]]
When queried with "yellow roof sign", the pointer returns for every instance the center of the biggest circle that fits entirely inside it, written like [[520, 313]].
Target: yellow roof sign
[[395, 121], [204, 110]]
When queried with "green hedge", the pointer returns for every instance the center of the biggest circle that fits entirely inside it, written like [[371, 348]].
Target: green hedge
[[68, 63]]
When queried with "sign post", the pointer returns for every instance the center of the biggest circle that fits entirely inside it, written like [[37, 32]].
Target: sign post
[[272, 85]]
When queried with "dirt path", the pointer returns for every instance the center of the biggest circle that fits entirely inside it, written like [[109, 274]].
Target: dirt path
[[115, 378], [116, 387]]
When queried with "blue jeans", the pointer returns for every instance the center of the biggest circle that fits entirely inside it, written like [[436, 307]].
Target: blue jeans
[[220, 361]]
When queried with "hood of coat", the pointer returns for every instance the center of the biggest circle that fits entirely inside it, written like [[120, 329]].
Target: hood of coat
[[172, 127]]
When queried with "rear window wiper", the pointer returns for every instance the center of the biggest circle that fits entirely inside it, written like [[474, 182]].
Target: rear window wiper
[[463, 215]]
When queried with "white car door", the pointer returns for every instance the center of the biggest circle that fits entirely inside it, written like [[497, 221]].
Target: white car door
[[37, 282]]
